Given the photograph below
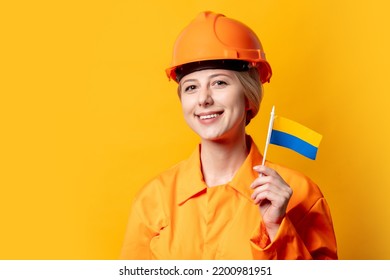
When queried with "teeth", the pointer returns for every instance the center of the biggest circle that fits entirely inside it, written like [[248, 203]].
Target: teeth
[[209, 116]]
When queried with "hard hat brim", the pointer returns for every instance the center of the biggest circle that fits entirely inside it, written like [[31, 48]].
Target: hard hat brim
[[227, 64]]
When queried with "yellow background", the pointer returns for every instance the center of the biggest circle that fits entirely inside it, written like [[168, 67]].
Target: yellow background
[[88, 116]]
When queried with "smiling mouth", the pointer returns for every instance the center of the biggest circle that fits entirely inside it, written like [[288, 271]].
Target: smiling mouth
[[209, 116], [212, 116]]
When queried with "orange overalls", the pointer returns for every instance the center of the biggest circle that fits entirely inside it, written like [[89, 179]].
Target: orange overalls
[[176, 216]]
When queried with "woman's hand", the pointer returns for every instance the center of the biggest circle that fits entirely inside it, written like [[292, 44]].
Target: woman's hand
[[272, 194]]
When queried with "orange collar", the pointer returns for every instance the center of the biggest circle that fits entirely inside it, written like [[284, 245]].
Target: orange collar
[[190, 181]]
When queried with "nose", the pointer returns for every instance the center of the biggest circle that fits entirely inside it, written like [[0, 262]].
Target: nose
[[205, 97]]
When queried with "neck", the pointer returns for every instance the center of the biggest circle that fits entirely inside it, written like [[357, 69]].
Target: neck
[[221, 159]]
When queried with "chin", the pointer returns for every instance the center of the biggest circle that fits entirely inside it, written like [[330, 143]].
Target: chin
[[212, 136]]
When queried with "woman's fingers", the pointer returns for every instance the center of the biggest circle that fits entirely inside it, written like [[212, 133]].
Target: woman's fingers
[[270, 186]]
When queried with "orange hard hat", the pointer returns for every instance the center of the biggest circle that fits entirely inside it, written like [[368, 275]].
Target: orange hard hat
[[213, 40]]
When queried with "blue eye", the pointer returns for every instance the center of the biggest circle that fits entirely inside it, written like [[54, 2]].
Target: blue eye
[[220, 83], [189, 88]]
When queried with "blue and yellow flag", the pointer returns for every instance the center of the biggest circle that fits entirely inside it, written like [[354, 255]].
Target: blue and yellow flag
[[292, 135]]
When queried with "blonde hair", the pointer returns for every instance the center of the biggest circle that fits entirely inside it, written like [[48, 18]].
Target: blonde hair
[[253, 91]]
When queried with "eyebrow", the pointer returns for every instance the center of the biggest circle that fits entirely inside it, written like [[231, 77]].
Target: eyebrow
[[189, 80], [220, 74], [210, 77]]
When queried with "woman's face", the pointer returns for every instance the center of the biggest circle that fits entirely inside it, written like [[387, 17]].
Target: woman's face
[[213, 104]]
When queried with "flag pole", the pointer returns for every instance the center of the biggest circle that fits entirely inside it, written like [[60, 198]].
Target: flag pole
[[271, 123]]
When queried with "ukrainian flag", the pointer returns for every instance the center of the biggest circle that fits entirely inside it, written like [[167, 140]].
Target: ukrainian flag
[[294, 136]]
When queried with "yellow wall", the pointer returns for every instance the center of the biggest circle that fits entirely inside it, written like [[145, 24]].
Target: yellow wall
[[87, 115]]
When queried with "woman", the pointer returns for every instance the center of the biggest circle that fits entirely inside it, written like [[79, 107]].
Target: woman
[[221, 203]]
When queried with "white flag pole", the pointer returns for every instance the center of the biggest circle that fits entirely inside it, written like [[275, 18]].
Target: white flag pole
[[271, 123]]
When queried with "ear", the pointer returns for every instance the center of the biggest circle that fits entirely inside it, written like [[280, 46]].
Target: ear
[[179, 92]]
